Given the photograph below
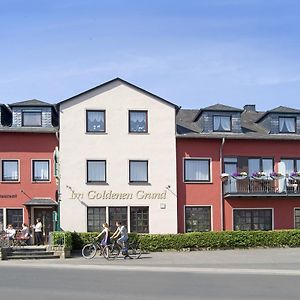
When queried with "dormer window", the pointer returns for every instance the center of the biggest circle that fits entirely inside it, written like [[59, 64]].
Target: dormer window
[[222, 123], [287, 124], [31, 118]]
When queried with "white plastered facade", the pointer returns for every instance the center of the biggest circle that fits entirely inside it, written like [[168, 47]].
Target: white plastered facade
[[117, 146]]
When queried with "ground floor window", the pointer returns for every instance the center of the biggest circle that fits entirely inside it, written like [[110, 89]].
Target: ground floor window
[[117, 214], [139, 219], [14, 217], [197, 218], [1, 220], [96, 216], [252, 219], [297, 218]]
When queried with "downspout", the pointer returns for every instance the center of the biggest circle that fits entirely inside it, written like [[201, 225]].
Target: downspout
[[221, 186]]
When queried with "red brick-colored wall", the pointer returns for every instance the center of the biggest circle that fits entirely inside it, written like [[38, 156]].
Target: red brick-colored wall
[[26, 147]]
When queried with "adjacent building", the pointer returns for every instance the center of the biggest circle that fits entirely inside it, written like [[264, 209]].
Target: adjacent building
[[238, 169], [28, 135]]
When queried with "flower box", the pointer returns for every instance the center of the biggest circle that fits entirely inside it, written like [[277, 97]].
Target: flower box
[[239, 175], [276, 175], [295, 175], [259, 175]]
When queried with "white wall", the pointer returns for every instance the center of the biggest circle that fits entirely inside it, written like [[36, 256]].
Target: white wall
[[117, 147]]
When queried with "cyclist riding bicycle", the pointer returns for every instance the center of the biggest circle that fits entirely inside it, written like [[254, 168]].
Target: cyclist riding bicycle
[[106, 239], [122, 240]]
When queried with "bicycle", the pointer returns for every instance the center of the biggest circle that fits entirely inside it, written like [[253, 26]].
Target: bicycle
[[131, 250], [89, 250]]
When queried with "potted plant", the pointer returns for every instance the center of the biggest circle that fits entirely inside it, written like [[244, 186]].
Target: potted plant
[[239, 175], [259, 175]]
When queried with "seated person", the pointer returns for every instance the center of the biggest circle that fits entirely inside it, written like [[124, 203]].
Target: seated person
[[25, 234], [10, 232]]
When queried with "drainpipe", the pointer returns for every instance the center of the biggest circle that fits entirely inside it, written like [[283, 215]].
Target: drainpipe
[[221, 186]]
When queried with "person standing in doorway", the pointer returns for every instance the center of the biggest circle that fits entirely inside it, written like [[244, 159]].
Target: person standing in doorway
[[38, 235]]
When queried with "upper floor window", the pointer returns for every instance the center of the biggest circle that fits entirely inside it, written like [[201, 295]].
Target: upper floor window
[[96, 171], [138, 171], [10, 170], [32, 118], [138, 121], [287, 124], [196, 170], [264, 165], [40, 170], [95, 121], [222, 123]]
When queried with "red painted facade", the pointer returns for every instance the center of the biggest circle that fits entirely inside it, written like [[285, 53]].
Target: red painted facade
[[203, 194], [26, 147]]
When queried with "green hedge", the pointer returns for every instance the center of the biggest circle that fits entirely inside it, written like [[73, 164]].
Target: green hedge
[[195, 240]]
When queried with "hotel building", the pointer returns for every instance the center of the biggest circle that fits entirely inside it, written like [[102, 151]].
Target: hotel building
[[118, 160]]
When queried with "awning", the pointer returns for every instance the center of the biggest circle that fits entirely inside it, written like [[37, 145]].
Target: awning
[[41, 202]]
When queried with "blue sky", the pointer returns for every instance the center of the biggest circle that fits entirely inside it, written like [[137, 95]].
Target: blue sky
[[194, 53]]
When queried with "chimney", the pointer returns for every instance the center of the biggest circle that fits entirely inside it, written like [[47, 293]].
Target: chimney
[[249, 107]]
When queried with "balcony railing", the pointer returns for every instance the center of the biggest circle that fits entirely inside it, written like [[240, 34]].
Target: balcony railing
[[257, 187]]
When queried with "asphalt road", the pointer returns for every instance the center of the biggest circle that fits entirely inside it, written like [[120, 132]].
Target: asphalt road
[[259, 274]]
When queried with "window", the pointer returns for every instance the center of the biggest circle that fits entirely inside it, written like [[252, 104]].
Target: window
[[1, 220], [289, 166], [96, 171], [95, 121], [197, 218], [297, 218], [252, 219], [96, 216], [222, 123], [31, 118], [260, 165], [139, 219], [138, 121], [196, 170], [14, 217], [40, 170], [287, 124], [10, 170], [138, 171], [117, 214]]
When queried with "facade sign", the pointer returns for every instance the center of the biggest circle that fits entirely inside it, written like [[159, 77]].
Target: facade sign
[[111, 195]]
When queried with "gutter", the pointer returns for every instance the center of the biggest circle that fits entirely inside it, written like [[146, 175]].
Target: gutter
[[221, 186]]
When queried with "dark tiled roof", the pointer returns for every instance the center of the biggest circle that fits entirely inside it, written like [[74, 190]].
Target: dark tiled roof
[[281, 110], [41, 201], [217, 107], [187, 128], [32, 102]]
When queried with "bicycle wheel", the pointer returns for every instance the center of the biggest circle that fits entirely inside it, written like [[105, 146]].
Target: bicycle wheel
[[134, 251], [89, 251], [111, 252]]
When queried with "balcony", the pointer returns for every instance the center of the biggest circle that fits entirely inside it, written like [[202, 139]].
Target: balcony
[[267, 187]]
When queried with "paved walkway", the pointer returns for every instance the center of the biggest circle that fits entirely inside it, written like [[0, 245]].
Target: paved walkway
[[264, 261]]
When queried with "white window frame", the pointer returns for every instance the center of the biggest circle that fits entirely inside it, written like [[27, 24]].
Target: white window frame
[[32, 170], [19, 170], [209, 168]]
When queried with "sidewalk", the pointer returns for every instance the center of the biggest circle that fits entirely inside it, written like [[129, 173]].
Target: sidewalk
[[275, 259]]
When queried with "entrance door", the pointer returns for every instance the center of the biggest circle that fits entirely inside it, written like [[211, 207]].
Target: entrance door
[[45, 214]]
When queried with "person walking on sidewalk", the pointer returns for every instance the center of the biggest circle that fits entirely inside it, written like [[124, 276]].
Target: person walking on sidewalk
[[38, 235]]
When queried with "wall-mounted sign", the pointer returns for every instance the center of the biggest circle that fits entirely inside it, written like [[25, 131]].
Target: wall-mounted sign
[[110, 195], [8, 196]]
